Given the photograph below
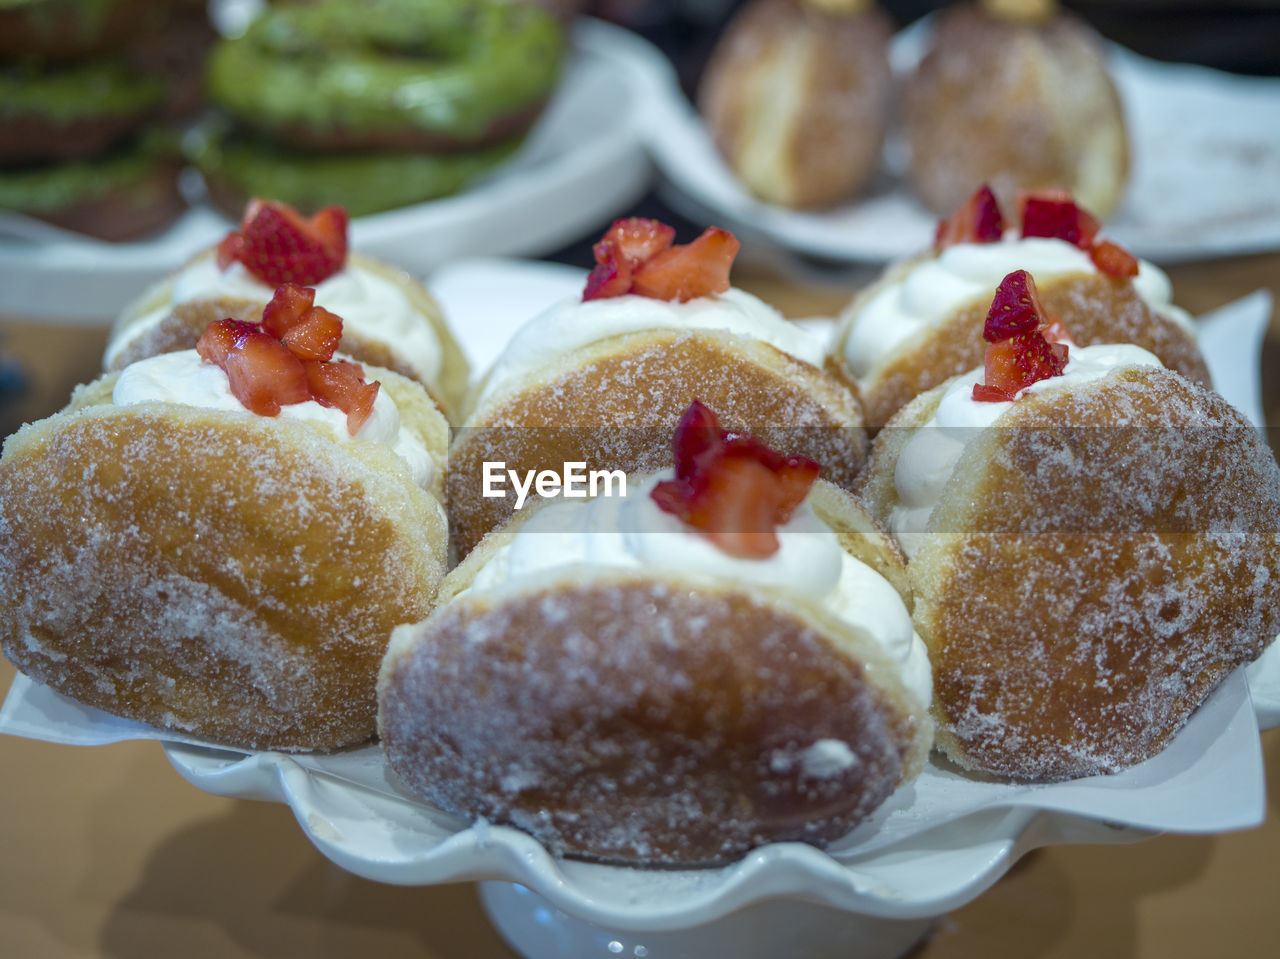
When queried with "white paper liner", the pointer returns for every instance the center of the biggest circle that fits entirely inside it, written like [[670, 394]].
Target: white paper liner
[[1204, 168], [935, 844]]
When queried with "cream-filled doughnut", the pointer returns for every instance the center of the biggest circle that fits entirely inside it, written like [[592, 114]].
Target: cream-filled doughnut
[[171, 557], [796, 95], [389, 320], [604, 380], [627, 687], [1015, 93], [1090, 553], [920, 323]]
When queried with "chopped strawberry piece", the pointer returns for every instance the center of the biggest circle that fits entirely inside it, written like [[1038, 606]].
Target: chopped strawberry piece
[[1053, 213], [220, 337], [978, 221], [732, 487], [688, 271], [1015, 309], [340, 384], [637, 256], [316, 336], [990, 394], [286, 308], [263, 374], [636, 239], [612, 273], [1113, 259], [1014, 364], [278, 245]]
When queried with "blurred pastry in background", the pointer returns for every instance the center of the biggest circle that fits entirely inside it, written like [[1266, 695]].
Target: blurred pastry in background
[[389, 320], [796, 95], [374, 105], [91, 95], [1016, 94]]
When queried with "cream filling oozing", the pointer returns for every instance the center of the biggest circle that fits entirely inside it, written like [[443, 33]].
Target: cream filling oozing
[[370, 306], [937, 287], [572, 324], [184, 378], [631, 533], [929, 457]]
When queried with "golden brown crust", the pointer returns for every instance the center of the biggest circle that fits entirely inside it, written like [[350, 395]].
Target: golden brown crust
[[614, 405], [185, 322], [1092, 307], [648, 721], [797, 99], [230, 577], [1099, 562], [1017, 105]]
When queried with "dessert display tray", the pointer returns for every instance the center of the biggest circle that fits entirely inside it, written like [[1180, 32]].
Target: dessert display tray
[[1204, 178], [583, 161], [936, 844]]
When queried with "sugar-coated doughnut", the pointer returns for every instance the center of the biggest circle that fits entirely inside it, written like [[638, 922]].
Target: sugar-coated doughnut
[[1088, 561], [609, 681], [213, 572]]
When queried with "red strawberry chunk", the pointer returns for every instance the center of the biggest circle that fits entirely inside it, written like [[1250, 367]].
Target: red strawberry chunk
[[1053, 213], [264, 375], [316, 336], [1014, 364], [286, 308], [220, 338], [637, 239], [612, 273], [732, 487], [278, 245], [1015, 309], [340, 384], [688, 271], [978, 221], [1113, 259]]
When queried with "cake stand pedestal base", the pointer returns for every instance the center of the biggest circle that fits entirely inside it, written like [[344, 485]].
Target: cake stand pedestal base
[[769, 930]]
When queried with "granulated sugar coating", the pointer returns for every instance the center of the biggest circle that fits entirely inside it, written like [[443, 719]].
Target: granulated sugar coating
[[614, 404], [638, 721], [1104, 557], [227, 576]]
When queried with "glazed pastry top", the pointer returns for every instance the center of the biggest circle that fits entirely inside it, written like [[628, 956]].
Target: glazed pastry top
[[921, 295], [184, 378], [370, 306], [632, 533], [929, 457], [572, 324]]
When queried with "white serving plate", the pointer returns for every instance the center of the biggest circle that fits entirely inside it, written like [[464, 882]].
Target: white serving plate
[[582, 163], [1204, 180], [936, 844]]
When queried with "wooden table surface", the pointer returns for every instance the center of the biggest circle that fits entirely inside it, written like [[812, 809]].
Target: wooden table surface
[[107, 852]]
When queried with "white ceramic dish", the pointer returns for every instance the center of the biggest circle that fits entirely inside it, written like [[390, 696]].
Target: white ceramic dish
[[1205, 177], [935, 845], [582, 163]]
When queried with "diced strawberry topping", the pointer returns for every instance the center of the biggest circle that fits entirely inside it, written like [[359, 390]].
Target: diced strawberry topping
[[340, 384], [264, 374], [978, 221], [731, 486], [1015, 309], [1113, 259], [1023, 345], [1055, 214], [279, 245], [690, 270], [638, 256], [288, 359]]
